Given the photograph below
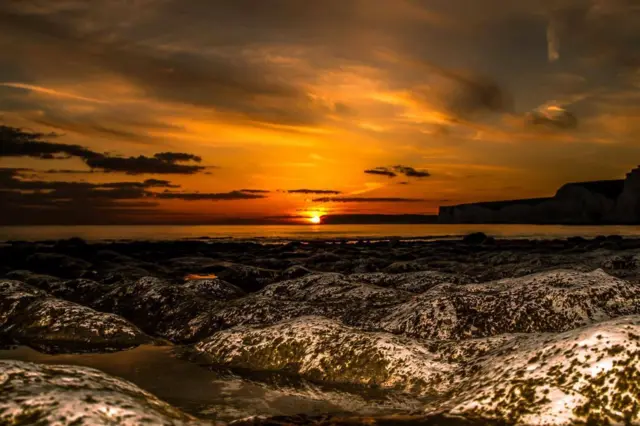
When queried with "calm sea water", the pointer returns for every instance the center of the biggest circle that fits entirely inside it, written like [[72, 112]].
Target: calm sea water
[[305, 232]]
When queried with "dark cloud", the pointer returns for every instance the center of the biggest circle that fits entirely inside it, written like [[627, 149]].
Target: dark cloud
[[16, 142], [14, 179], [255, 191], [462, 95], [67, 171], [411, 172], [604, 30], [239, 83], [223, 196], [552, 116], [392, 172], [312, 191], [165, 164], [367, 200], [470, 94], [28, 201], [381, 171]]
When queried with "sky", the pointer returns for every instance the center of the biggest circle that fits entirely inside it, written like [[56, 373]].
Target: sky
[[205, 111]]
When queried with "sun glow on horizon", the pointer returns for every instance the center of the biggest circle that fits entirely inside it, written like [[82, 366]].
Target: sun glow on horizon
[[315, 219]]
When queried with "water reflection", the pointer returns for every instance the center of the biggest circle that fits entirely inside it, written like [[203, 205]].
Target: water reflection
[[220, 394], [296, 232]]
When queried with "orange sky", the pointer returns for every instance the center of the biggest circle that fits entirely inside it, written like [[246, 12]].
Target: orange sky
[[282, 95]]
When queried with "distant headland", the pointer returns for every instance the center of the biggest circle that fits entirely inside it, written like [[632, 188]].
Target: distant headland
[[580, 203]]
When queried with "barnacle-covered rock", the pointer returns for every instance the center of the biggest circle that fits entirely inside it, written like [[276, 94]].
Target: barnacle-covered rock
[[35, 394], [162, 308], [324, 349], [30, 316], [328, 294], [414, 282], [552, 301], [589, 375]]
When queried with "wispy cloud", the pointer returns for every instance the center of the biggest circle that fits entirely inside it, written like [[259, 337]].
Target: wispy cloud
[[52, 92]]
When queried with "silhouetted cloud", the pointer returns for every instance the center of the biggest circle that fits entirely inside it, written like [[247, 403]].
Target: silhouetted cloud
[[27, 200], [16, 142], [255, 191], [14, 179], [392, 172], [196, 196], [552, 116], [411, 172], [312, 191], [367, 200], [165, 163], [381, 171], [67, 171]]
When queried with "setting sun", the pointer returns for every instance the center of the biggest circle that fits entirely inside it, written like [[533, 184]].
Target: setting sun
[[315, 219]]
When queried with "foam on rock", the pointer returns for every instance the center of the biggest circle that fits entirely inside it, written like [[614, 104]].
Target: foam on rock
[[324, 349]]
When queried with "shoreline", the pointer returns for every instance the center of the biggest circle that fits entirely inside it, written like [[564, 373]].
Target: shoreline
[[352, 331]]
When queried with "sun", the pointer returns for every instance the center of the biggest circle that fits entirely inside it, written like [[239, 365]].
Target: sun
[[315, 219]]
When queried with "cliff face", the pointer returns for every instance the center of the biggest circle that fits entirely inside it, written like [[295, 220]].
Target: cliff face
[[627, 208], [584, 203]]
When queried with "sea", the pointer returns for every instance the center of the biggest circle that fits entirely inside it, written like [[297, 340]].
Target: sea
[[283, 233]]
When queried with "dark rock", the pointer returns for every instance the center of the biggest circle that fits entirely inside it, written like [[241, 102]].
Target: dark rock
[[172, 311], [248, 278], [214, 289], [30, 316], [56, 264], [475, 238], [295, 271]]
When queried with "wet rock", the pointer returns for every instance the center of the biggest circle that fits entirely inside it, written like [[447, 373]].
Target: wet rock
[[590, 375], [248, 278], [295, 271], [30, 316], [551, 301], [414, 282], [214, 288], [161, 308], [337, 296], [80, 290], [369, 264], [191, 265], [475, 238], [324, 349], [255, 309], [41, 281], [403, 267], [440, 419], [323, 257], [57, 264], [36, 394]]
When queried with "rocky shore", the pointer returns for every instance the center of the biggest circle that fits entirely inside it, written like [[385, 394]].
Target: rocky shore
[[451, 332]]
